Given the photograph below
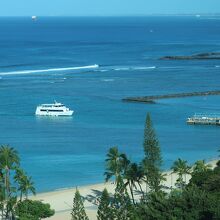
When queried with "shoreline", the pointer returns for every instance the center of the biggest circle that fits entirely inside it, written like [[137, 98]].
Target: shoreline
[[61, 199], [210, 160]]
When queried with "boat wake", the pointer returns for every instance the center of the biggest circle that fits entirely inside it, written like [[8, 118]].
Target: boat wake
[[49, 70], [135, 68], [94, 67], [131, 68]]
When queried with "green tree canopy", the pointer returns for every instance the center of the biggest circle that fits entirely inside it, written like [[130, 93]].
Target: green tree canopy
[[33, 210], [104, 208], [121, 203], [78, 210], [190, 204], [116, 164], [152, 161], [182, 169], [9, 160], [200, 166]]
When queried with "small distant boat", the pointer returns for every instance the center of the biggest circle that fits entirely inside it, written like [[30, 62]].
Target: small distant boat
[[55, 109], [34, 18]]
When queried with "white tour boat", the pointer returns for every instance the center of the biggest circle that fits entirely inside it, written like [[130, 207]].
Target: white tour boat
[[56, 109], [34, 18]]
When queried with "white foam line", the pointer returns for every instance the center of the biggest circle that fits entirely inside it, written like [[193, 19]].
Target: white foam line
[[135, 68], [122, 69], [49, 70], [144, 68], [107, 80]]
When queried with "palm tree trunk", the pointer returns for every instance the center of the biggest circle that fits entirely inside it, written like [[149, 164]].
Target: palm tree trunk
[[146, 187], [3, 211], [171, 179], [8, 181], [141, 189], [132, 194], [6, 193], [5, 180], [21, 196], [182, 181]]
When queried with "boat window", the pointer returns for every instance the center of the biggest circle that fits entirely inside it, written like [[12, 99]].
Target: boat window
[[51, 110], [46, 106]]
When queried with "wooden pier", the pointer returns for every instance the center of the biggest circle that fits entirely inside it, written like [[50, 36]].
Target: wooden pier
[[204, 119]]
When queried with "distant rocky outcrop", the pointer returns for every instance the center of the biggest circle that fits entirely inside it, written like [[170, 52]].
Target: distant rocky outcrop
[[200, 56]]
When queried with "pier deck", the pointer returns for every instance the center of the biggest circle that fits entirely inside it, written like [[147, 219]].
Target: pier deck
[[204, 119]]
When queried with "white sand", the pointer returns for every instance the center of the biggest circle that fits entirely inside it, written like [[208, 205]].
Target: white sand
[[62, 200]]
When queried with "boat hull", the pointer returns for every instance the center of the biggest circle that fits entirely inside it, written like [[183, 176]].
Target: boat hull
[[56, 114]]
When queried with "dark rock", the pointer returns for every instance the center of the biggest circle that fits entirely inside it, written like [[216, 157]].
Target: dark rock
[[151, 99], [200, 56]]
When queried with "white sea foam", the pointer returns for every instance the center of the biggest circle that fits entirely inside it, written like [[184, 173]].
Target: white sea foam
[[107, 80], [103, 70], [144, 67], [217, 66], [122, 69], [135, 68], [49, 70]]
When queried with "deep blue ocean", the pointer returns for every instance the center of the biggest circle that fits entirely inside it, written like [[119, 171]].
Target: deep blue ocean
[[64, 152]]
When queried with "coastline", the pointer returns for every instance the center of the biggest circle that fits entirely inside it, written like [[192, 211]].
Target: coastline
[[61, 199]]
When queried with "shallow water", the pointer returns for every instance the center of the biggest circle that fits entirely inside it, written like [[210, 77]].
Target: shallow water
[[64, 152]]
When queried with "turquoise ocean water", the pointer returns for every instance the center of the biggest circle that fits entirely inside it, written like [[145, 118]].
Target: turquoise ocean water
[[64, 152]]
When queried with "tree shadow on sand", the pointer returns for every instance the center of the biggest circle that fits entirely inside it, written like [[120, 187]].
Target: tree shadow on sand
[[94, 197]]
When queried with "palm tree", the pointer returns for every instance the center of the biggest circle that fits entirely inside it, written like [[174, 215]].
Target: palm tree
[[140, 177], [9, 159], [171, 178], [134, 175], [124, 163], [115, 163], [24, 182], [19, 175], [131, 176], [181, 168], [28, 186], [200, 166]]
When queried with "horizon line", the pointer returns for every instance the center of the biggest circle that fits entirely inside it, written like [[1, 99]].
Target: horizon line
[[128, 15]]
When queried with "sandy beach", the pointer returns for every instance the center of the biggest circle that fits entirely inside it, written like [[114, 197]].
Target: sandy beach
[[61, 200]]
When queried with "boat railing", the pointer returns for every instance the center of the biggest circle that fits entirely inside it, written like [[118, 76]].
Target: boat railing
[[206, 115]]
